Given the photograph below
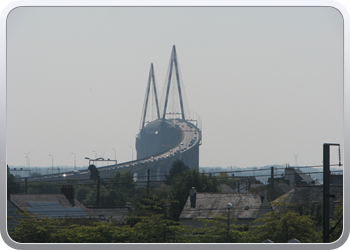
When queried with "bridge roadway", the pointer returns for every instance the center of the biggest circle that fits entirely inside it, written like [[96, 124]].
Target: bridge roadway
[[159, 163]]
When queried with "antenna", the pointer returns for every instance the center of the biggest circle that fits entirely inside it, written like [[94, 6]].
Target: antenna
[[296, 158]]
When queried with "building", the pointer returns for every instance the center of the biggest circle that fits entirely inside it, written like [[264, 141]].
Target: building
[[294, 176], [246, 207], [309, 197], [60, 205]]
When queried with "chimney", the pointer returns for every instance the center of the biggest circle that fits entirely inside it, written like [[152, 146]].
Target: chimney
[[193, 197], [68, 191]]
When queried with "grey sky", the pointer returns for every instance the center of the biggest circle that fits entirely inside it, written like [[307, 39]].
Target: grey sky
[[266, 82]]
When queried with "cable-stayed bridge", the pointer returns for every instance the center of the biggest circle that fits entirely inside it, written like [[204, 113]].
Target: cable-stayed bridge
[[167, 133]]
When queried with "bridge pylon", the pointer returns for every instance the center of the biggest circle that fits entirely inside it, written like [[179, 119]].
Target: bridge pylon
[[174, 63], [151, 79]]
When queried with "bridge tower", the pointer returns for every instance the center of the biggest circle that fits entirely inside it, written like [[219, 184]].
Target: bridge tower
[[166, 131], [173, 62], [148, 89]]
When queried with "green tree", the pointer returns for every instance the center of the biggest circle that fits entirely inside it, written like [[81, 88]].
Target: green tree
[[41, 187], [11, 182], [116, 191], [177, 168], [85, 194], [283, 224], [337, 224], [182, 183], [157, 229], [31, 229], [216, 231], [147, 207], [228, 180]]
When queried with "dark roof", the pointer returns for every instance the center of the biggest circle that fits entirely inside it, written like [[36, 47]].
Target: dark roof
[[311, 195], [11, 208], [303, 176], [256, 185], [209, 205], [225, 188], [49, 205], [336, 179], [284, 187]]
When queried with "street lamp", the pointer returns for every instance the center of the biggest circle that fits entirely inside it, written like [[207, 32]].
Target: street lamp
[[228, 206], [74, 160], [52, 165], [52, 160], [115, 154], [95, 153]]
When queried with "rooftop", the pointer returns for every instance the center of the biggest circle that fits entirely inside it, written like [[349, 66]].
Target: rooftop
[[209, 205]]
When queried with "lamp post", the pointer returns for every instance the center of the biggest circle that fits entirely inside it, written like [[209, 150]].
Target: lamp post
[[52, 159], [95, 153], [228, 206], [52, 165], [74, 160], [87, 158], [115, 154]]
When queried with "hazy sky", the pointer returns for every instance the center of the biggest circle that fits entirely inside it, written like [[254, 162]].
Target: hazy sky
[[267, 82]]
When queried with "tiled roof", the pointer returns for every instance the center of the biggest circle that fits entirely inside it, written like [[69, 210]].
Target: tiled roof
[[309, 195], [57, 205], [11, 208], [304, 176], [209, 205], [49, 205], [226, 189], [284, 187]]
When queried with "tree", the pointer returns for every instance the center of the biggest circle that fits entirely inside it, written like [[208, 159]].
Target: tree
[[182, 183], [283, 224], [157, 229], [11, 182], [228, 180], [147, 207], [118, 190], [177, 168], [215, 231], [337, 224], [31, 229]]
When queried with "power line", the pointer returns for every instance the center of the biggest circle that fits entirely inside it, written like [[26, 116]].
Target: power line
[[56, 184]]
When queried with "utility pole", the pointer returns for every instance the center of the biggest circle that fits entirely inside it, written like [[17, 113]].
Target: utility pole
[[148, 172], [272, 185], [228, 206], [26, 186], [326, 189], [98, 192]]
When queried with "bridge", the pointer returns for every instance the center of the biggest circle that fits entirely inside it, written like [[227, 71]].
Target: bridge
[[165, 135]]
